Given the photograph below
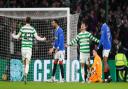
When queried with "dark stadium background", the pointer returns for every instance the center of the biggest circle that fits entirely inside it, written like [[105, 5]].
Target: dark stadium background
[[91, 10]]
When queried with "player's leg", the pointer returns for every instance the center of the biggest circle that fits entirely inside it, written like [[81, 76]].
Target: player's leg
[[83, 70], [28, 58], [93, 78], [24, 60], [26, 55], [62, 70], [87, 70], [26, 69], [83, 74], [54, 66], [26, 66], [61, 59], [106, 66], [54, 69]]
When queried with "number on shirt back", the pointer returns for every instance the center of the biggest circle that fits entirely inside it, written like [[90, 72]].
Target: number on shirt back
[[27, 36]]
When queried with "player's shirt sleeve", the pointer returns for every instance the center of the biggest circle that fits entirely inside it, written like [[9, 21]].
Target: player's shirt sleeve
[[34, 33], [95, 63], [74, 41], [93, 38], [18, 35], [102, 37], [60, 39], [37, 37]]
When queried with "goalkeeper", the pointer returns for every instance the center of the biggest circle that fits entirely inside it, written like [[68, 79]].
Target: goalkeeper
[[84, 38], [27, 32], [96, 69]]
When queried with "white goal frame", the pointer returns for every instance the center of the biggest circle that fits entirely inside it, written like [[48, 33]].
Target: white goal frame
[[68, 29]]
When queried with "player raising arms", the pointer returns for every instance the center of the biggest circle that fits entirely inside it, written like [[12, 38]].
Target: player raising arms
[[106, 41], [84, 38], [27, 33], [59, 50]]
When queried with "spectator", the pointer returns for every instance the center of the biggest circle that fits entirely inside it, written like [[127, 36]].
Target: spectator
[[91, 10], [1, 3], [44, 3]]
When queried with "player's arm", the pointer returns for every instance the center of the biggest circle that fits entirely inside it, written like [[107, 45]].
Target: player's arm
[[93, 38], [60, 39], [16, 36], [94, 64], [102, 37], [51, 50], [74, 41], [38, 37], [93, 68]]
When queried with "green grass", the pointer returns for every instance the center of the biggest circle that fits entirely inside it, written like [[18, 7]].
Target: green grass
[[44, 85]]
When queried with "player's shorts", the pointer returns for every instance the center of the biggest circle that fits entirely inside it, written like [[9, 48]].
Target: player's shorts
[[84, 58], [26, 53], [106, 52], [60, 55]]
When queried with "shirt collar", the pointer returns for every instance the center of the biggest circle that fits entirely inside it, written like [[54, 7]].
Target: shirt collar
[[57, 28], [27, 24]]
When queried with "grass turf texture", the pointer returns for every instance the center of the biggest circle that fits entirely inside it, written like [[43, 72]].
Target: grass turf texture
[[44, 85]]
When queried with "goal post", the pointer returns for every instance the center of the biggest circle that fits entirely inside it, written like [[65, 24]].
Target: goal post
[[11, 19]]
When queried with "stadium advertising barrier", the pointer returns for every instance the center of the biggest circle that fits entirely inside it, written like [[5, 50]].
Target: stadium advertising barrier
[[41, 70]]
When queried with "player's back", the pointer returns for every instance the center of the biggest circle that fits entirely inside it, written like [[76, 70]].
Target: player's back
[[98, 65], [107, 38], [27, 34]]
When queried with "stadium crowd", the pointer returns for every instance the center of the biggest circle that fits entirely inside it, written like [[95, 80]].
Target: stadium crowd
[[91, 10], [94, 12]]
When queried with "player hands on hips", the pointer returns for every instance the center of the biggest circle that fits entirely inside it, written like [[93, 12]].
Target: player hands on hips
[[27, 33], [106, 42], [96, 69], [58, 49], [83, 38]]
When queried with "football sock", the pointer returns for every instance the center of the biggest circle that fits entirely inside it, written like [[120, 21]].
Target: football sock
[[105, 75], [82, 73], [62, 71], [54, 69], [26, 69]]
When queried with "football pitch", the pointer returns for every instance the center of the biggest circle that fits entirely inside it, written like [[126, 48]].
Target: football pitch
[[44, 85]]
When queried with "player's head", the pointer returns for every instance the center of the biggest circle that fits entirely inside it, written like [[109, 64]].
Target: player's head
[[94, 52], [28, 20], [102, 21], [84, 25], [55, 23]]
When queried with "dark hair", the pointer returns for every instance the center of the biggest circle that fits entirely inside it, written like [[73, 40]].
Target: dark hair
[[56, 21], [28, 19], [103, 20], [84, 22]]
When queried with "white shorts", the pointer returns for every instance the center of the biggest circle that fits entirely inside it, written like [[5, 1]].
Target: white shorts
[[106, 53], [59, 55], [26, 53], [84, 58]]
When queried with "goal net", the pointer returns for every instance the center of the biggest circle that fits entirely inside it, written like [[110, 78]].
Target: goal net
[[12, 19]]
